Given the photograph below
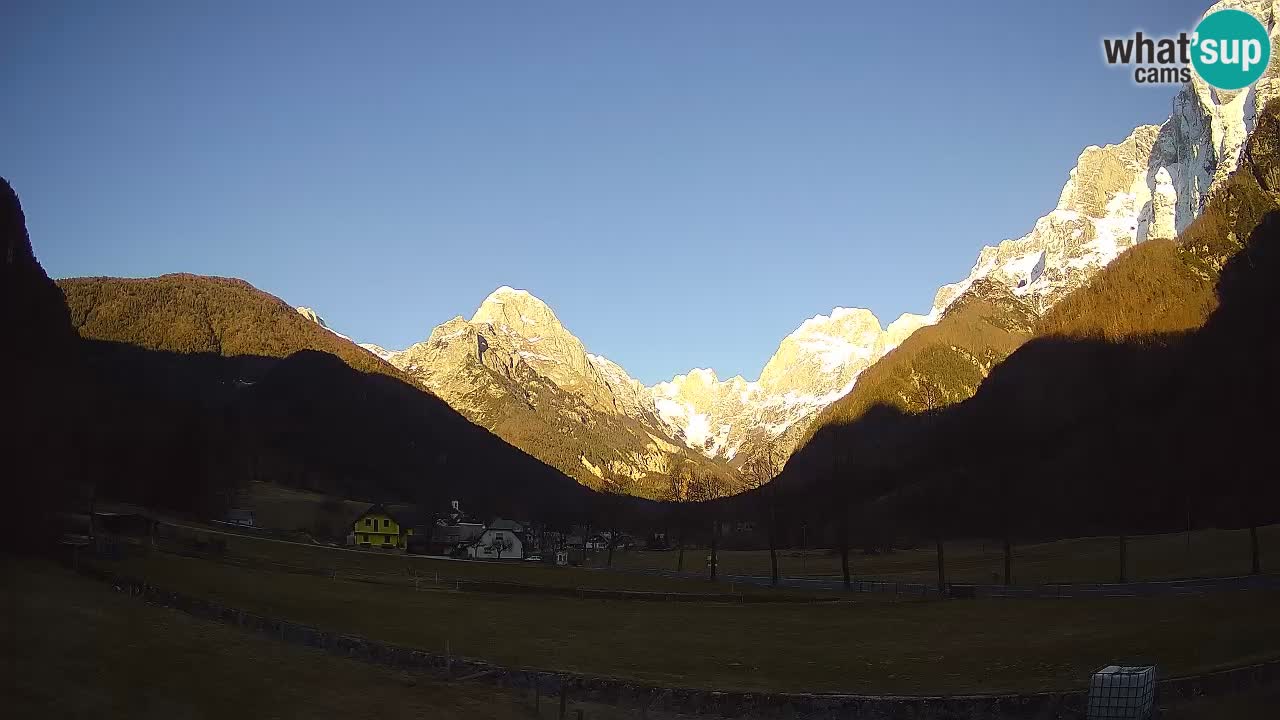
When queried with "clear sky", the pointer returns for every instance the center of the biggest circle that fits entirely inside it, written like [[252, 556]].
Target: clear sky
[[683, 182]]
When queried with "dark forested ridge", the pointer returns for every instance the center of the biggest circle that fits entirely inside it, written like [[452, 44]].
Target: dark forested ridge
[[179, 390], [1141, 402], [44, 396], [187, 429], [188, 314]]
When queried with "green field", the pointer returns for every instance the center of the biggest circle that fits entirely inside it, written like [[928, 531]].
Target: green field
[[867, 644]]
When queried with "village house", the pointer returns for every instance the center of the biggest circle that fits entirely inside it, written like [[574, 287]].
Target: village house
[[574, 549], [378, 527], [452, 540], [501, 540]]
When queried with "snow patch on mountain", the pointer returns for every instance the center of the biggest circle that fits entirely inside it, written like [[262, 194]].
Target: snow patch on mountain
[[314, 317], [378, 350], [814, 365]]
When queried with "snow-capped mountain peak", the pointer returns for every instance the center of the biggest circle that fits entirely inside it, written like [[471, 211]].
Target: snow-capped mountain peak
[[813, 366], [515, 369], [514, 355]]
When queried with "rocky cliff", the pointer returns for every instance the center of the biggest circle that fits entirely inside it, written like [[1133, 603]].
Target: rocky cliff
[[515, 369], [1150, 185]]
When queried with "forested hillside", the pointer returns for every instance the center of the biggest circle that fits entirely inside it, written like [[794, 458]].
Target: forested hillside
[[197, 314]]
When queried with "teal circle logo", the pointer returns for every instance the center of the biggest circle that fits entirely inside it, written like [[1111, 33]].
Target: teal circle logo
[[1232, 49]]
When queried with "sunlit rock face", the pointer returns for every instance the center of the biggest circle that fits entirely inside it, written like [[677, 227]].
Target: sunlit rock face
[[515, 369], [812, 367], [514, 355], [1151, 184], [1163, 208]]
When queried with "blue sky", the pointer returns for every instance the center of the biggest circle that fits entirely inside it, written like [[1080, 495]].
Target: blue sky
[[684, 183]]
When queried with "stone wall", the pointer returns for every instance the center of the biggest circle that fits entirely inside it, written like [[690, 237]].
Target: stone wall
[[1068, 705]]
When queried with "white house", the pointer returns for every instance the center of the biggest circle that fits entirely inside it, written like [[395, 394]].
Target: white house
[[502, 540]]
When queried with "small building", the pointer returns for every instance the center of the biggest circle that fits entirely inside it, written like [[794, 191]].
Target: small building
[[501, 540], [574, 549], [242, 518], [453, 540], [377, 527]]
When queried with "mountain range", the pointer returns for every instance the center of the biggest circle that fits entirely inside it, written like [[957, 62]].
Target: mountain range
[[199, 384], [515, 369]]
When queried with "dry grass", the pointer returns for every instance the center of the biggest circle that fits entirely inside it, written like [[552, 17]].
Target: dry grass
[[860, 646], [1212, 553], [72, 648]]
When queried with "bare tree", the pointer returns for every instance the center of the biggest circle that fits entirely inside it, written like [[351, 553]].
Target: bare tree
[[942, 565], [701, 487], [715, 546], [759, 473], [844, 507], [1255, 566], [1124, 558], [678, 478], [1008, 558], [680, 555], [678, 493]]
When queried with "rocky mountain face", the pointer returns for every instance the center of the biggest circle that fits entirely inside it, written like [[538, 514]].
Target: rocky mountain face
[[516, 370], [1150, 185], [812, 367]]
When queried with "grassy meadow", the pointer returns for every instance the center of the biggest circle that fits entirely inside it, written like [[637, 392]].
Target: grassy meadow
[[866, 644], [1210, 553], [73, 648], [1206, 553]]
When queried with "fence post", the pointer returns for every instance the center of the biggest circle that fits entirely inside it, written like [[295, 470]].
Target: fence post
[[564, 698]]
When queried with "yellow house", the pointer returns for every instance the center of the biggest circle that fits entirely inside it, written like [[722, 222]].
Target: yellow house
[[378, 528]]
